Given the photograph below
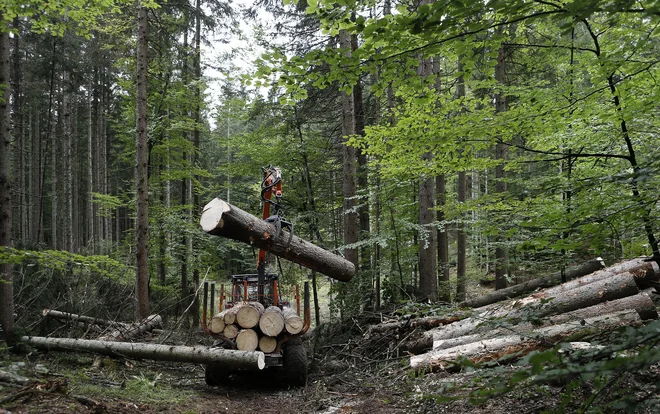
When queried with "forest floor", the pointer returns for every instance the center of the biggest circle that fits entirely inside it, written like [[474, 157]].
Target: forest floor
[[349, 373]]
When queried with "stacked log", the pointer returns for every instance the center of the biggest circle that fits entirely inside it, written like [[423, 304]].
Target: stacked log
[[272, 321], [601, 301], [253, 327]]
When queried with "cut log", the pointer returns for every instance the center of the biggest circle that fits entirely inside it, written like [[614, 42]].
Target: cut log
[[641, 303], [293, 323], [55, 314], [149, 323], [230, 314], [230, 332], [248, 314], [539, 305], [495, 348], [641, 270], [247, 340], [217, 324], [271, 322], [427, 322], [194, 354], [222, 219], [538, 283], [267, 344]]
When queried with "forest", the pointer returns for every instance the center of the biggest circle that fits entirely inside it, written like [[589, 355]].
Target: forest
[[447, 149]]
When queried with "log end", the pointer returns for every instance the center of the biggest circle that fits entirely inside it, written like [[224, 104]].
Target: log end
[[212, 214]]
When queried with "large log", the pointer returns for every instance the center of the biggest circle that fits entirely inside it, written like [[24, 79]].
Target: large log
[[66, 316], [195, 354], [538, 305], [147, 324], [538, 283], [249, 314], [494, 348], [640, 303], [293, 323], [217, 324], [271, 322], [222, 219], [247, 340], [267, 344]]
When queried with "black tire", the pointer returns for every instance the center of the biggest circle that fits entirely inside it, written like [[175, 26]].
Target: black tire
[[294, 366], [215, 375]]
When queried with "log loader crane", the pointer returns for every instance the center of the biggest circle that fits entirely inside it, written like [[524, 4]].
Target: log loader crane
[[254, 315]]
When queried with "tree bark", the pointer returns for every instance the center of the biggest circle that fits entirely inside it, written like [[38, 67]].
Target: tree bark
[[501, 150], [538, 305], [52, 313], [141, 171], [222, 219], [194, 354], [293, 323], [444, 289], [641, 303], [489, 349], [6, 276], [349, 185], [541, 282]]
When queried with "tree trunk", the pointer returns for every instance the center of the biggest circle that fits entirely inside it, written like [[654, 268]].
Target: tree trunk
[[501, 150], [461, 196], [141, 171], [641, 303], [518, 345], [538, 305], [6, 277], [66, 316], [349, 185], [222, 219], [194, 354], [444, 289], [541, 282]]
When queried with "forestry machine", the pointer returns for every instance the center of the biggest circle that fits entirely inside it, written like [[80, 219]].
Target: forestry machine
[[286, 352]]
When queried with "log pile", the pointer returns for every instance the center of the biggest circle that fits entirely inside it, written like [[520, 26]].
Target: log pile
[[600, 301], [254, 327]]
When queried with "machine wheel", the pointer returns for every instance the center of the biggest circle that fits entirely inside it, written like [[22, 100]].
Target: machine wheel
[[215, 375], [294, 366]]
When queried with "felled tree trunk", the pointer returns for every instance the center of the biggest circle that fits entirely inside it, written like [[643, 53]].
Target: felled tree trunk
[[65, 316], [539, 305], [222, 219], [640, 303], [149, 323], [194, 354], [267, 344], [489, 349], [538, 283]]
